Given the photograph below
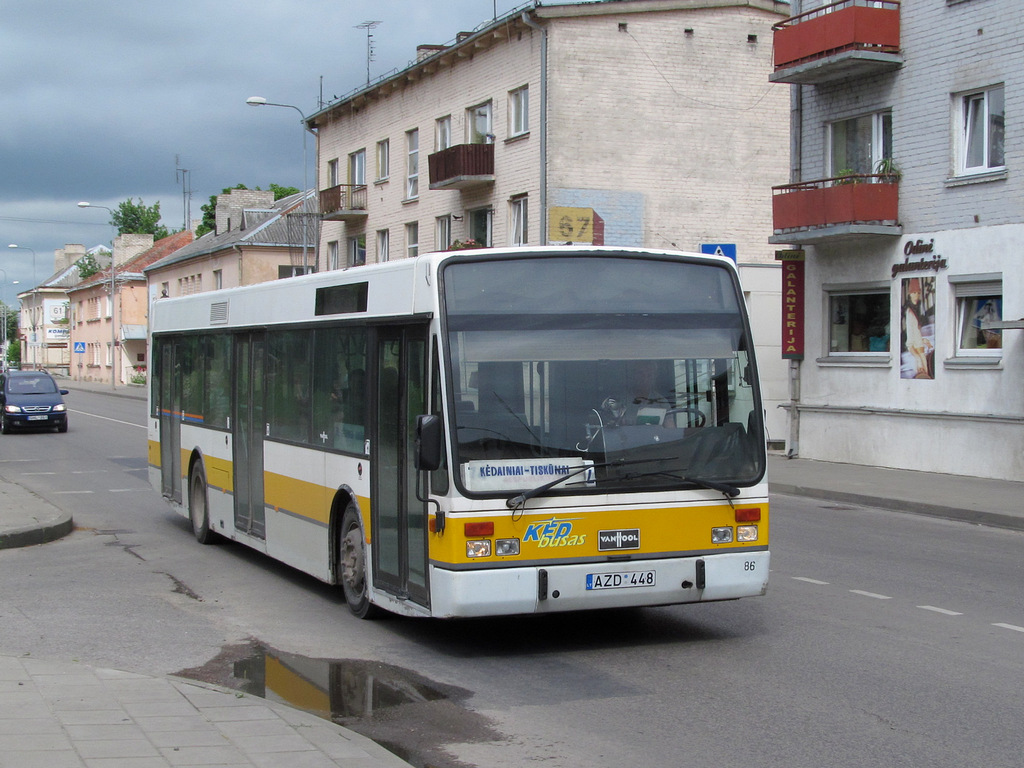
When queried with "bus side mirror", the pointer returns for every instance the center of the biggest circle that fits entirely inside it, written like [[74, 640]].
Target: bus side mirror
[[428, 442]]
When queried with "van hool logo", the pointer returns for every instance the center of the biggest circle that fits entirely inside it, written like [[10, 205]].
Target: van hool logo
[[618, 539]]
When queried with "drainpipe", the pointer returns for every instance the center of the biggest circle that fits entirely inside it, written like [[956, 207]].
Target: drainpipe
[[543, 123], [796, 163]]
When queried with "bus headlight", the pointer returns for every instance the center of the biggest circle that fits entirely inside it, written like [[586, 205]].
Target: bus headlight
[[506, 547], [746, 533], [721, 535], [478, 548]]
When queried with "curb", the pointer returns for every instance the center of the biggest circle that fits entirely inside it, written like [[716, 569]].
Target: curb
[[974, 516], [56, 527]]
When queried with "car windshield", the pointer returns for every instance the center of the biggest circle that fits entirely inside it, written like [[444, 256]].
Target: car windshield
[[623, 372], [31, 385]]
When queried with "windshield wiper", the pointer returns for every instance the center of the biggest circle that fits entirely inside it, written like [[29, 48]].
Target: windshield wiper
[[517, 501], [728, 490]]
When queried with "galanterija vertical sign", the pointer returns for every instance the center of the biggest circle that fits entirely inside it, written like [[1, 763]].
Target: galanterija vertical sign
[[792, 303]]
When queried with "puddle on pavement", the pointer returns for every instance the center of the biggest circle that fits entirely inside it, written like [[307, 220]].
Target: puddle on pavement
[[395, 707]]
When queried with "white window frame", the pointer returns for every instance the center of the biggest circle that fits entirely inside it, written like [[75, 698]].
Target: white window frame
[[443, 233], [357, 250], [333, 179], [519, 220], [969, 292], [383, 245], [218, 279], [981, 104], [880, 143], [333, 255], [486, 215], [850, 293], [412, 239], [412, 178], [480, 124], [519, 111], [443, 133], [383, 159], [357, 168]]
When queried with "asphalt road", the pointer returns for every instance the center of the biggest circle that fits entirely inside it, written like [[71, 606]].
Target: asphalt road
[[885, 639]]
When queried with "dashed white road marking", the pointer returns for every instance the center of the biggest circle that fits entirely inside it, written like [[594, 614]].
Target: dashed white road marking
[[875, 595], [1014, 627], [943, 611], [810, 581]]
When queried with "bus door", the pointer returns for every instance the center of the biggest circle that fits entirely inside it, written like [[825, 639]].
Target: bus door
[[399, 535], [169, 413], [249, 428]]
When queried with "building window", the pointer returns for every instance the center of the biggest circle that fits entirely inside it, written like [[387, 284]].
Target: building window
[[412, 179], [478, 123], [860, 144], [333, 255], [859, 321], [480, 226], [519, 111], [412, 239], [978, 303], [218, 279], [443, 133], [333, 179], [983, 124], [518, 221], [357, 251], [383, 159], [383, 245], [292, 270], [357, 168], [442, 233]]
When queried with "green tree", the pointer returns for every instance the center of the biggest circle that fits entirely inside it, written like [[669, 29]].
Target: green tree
[[209, 210], [87, 266], [133, 218], [11, 316]]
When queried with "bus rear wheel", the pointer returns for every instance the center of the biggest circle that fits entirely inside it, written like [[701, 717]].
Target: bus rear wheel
[[352, 561], [198, 508]]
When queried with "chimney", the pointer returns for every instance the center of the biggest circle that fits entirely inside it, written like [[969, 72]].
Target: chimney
[[127, 247], [66, 256], [231, 205], [426, 51]]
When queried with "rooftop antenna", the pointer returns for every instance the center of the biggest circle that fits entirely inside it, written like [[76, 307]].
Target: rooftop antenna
[[369, 26], [181, 174]]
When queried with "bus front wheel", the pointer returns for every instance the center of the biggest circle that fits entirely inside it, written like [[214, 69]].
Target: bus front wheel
[[353, 562], [198, 508]]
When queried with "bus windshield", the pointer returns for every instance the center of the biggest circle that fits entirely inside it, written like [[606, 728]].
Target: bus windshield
[[617, 372]]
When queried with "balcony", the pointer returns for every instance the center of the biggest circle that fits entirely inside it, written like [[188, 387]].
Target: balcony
[[848, 38], [838, 209], [462, 167], [344, 202]]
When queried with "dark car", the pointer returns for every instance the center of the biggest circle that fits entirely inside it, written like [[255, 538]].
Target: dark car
[[31, 400]]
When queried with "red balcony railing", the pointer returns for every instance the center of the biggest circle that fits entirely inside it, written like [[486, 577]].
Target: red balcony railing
[[855, 199], [866, 31], [344, 201], [461, 166]]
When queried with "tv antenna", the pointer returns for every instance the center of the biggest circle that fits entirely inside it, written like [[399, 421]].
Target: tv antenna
[[369, 26], [181, 174]]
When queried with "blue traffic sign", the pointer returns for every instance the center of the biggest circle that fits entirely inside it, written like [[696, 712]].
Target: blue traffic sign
[[720, 249], [80, 347]]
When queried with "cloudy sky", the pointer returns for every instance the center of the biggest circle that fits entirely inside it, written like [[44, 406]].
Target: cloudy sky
[[103, 101]]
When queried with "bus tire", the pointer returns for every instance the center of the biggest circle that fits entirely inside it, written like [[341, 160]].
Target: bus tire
[[198, 506], [352, 565]]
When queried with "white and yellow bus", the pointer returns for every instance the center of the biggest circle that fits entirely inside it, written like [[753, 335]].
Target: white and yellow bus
[[475, 433]]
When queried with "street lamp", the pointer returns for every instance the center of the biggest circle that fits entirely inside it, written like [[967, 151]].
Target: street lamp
[[113, 304], [26, 248], [3, 344], [259, 101]]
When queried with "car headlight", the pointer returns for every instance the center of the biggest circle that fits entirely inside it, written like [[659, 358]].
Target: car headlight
[[12, 409], [60, 408]]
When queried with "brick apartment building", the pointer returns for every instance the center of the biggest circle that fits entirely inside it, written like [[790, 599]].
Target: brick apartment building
[[631, 123], [905, 204]]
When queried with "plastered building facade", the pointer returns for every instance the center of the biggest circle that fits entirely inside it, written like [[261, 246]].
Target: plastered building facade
[[905, 203], [634, 123]]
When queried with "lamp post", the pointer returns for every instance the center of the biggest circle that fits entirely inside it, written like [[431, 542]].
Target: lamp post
[[113, 303], [26, 248], [259, 101], [3, 343]]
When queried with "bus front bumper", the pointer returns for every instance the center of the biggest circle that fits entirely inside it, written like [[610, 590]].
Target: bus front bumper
[[561, 587]]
